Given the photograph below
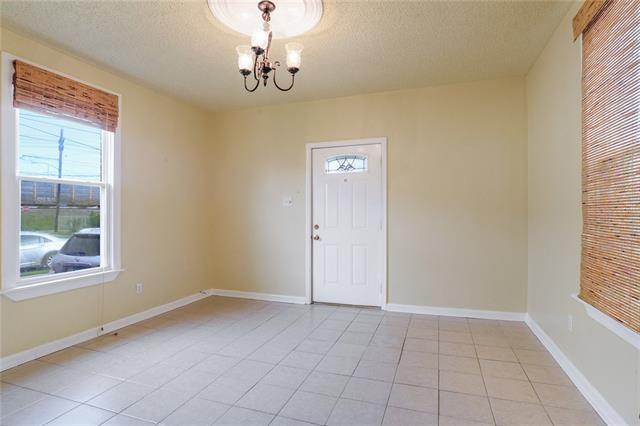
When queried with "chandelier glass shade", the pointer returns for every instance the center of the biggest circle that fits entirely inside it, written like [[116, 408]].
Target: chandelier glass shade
[[254, 60]]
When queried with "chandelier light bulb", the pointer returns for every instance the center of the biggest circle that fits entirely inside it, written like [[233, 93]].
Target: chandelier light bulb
[[245, 59], [294, 56], [259, 39]]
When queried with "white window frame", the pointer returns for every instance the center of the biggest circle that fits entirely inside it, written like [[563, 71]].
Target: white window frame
[[14, 286]]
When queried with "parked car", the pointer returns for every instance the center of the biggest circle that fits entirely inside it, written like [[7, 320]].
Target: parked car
[[81, 251], [38, 249]]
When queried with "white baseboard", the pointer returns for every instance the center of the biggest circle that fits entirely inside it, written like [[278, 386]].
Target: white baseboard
[[16, 359], [595, 398], [300, 300], [456, 312], [13, 360], [600, 404], [149, 313]]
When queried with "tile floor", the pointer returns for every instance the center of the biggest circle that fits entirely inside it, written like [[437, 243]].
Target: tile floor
[[232, 361]]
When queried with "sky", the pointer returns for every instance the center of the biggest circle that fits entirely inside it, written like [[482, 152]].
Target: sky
[[38, 147]]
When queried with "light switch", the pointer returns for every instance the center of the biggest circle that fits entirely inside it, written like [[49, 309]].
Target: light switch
[[287, 201]]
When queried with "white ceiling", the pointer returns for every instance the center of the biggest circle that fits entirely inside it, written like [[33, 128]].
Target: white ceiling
[[358, 47]]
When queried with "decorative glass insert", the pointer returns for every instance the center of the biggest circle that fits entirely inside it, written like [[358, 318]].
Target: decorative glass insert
[[346, 164]]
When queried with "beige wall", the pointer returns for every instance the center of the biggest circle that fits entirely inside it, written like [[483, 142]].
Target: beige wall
[[553, 95], [456, 192], [163, 188], [457, 196]]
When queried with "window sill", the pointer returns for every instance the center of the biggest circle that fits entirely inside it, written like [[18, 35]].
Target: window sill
[[61, 285], [620, 330]]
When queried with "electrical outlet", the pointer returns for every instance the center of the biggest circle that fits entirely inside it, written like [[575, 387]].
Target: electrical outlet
[[139, 288], [570, 323]]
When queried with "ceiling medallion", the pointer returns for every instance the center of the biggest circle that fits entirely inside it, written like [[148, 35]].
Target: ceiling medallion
[[294, 17]]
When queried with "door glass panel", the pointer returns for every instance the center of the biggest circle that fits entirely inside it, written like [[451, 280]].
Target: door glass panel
[[346, 164]]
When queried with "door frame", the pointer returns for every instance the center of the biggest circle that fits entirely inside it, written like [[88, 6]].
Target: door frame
[[308, 275]]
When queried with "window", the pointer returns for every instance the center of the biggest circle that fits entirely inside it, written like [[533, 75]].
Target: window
[[51, 152], [59, 186], [610, 271], [346, 164]]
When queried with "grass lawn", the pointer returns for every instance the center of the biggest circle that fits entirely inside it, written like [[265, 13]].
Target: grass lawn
[[33, 272], [70, 220]]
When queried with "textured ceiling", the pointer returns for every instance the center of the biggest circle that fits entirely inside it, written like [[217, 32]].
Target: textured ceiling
[[358, 47]]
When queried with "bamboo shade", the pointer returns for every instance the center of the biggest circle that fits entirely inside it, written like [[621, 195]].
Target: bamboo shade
[[43, 91], [588, 11], [610, 271]]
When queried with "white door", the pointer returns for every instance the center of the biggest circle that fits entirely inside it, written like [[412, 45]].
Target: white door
[[347, 225]]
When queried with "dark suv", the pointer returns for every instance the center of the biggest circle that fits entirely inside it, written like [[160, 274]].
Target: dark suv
[[81, 251]]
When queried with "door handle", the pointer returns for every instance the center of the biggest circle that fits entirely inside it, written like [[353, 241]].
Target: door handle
[[316, 237]]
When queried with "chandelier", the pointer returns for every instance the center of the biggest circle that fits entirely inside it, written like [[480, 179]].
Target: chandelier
[[255, 60]]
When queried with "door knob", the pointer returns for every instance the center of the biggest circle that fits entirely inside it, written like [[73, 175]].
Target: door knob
[[316, 237]]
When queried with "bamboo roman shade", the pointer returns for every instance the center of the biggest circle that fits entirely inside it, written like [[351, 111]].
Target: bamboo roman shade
[[43, 91], [610, 272], [588, 11]]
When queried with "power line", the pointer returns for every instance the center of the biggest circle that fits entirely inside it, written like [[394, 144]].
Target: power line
[[52, 141], [29, 117], [39, 157], [66, 176], [66, 139]]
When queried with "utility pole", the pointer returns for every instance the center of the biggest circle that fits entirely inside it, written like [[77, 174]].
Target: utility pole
[[60, 149]]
